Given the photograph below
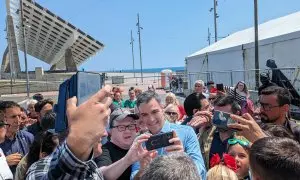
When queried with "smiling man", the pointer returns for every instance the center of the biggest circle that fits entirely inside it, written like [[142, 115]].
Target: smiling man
[[152, 115], [123, 131]]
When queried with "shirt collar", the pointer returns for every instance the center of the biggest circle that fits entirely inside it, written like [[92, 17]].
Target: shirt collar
[[166, 127]]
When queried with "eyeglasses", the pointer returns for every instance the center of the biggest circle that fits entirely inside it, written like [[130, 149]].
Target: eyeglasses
[[238, 141], [171, 113], [266, 107], [122, 128]]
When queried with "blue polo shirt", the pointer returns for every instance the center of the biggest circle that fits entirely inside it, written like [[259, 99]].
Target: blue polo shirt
[[190, 144], [20, 144]]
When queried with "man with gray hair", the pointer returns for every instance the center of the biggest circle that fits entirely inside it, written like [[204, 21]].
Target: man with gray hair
[[184, 138], [173, 166]]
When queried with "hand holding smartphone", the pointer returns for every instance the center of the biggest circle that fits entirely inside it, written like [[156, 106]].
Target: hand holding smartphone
[[159, 140]]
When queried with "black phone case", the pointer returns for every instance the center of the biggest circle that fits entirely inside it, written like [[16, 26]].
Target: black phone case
[[159, 141], [220, 87]]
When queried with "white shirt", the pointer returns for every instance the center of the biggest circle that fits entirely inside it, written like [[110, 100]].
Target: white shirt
[[5, 172]]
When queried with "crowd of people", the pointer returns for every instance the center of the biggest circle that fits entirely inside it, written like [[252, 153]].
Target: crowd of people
[[106, 136]]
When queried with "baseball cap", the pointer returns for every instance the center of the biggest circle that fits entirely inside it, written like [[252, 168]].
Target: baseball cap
[[120, 114]]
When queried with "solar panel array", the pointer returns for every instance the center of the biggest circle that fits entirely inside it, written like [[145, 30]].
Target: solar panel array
[[47, 35]]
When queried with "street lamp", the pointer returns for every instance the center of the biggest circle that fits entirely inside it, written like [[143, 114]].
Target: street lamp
[[140, 45], [256, 45], [24, 47]]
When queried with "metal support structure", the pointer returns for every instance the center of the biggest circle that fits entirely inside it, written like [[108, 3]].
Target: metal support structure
[[131, 42], [140, 45], [10, 57], [25, 49], [215, 20], [256, 45]]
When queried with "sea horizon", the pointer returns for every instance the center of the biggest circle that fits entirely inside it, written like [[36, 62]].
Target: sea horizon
[[146, 70]]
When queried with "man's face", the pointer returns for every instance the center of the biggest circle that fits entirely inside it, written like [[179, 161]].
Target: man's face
[[152, 115], [12, 117], [270, 111], [131, 94], [124, 132], [45, 109], [198, 88]]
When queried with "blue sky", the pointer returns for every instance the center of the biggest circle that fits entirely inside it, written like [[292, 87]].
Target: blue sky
[[172, 29]]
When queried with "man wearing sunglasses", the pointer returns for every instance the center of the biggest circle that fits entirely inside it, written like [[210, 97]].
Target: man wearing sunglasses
[[275, 104], [123, 131]]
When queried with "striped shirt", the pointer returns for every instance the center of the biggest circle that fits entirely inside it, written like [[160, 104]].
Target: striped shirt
[[238, 97], [62, 164]]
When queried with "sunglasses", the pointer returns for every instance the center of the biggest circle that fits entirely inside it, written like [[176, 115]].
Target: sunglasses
[[171, 113], [238, 141]]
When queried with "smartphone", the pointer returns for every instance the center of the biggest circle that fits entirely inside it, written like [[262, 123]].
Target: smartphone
[[159, 141], [222, 119], [88, 84], [82, 85], [220, 87]]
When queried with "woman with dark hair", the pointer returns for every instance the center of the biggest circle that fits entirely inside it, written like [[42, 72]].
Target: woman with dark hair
[[241, 89], [44, 144], [242, 96]]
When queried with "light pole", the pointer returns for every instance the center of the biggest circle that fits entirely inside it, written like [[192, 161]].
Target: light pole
[[140, 45], [215, 20], [256, 45], [208, 38], [131, 42], [25, 50]]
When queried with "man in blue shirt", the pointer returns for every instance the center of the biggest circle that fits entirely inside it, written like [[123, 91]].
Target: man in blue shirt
[[17, 142], [151, 113]]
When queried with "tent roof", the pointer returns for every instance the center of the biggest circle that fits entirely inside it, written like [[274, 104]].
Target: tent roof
[[273, 28]]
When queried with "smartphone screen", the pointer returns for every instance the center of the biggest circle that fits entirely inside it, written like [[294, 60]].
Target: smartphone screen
[[159, 141], [87, 85], [222, 119]]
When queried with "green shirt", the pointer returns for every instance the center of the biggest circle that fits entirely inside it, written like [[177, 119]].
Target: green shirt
[[118, 103], [130, 104]]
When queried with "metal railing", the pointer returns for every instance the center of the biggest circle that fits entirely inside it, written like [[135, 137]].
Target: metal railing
[[230, 78]]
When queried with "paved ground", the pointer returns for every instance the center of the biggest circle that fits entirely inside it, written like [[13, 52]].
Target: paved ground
[[54, 94]]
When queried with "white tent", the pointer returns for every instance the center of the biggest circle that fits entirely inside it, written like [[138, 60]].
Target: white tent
[[279, 39]]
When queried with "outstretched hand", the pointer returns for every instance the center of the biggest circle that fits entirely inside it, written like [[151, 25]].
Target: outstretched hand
[[247, 127], [200, 119], [87, 122]]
